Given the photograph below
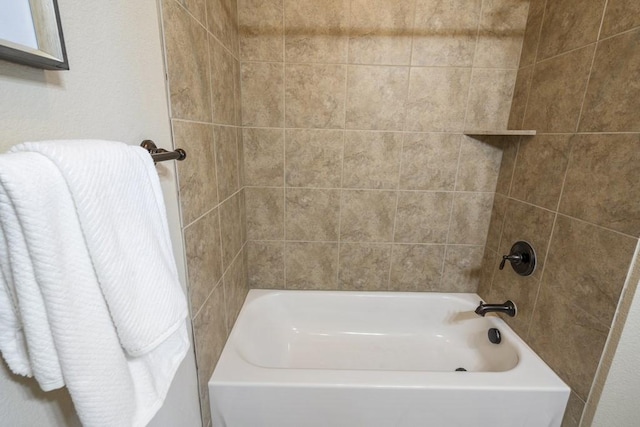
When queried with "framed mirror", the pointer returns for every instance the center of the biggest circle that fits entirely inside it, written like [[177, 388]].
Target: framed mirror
[[31, 34]]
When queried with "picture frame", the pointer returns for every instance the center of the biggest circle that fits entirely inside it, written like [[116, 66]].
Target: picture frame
[[47, 49]]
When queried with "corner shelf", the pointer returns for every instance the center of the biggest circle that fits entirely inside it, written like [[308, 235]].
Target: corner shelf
[[474, 132]]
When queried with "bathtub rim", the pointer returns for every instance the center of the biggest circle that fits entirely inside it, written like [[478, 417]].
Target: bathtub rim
[[531, 372]]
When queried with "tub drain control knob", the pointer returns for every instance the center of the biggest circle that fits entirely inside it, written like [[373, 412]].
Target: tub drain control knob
[[494, 336]]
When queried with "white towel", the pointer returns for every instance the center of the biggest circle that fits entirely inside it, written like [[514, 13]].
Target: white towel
[[22, 287], [12, 340], [108, 385], [119, 202]]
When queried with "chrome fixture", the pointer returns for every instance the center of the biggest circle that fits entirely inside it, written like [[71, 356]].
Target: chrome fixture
[[508, 308], [522, 258]]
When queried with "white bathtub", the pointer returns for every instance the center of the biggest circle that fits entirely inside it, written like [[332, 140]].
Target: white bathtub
[[364, 359]]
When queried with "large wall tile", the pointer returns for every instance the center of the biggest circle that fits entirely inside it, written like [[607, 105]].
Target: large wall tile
[[226, 160], [364, 267], [479, 165], [313, 158], [312, 214], [367, 215], [470, 218], [497, 221], [265, 264], [261, 30], [416, 268], [557, 92], [263, 156], [489, 266], [237, 92], [196, 8], [262, 94], [381, 31], [613, 97], [520, 97], [265, 213], [203, 258], [523, 291], [371, 159], [501, 32], [621, 15], [231, 223], [235, 289], [222, 21], [509, 153], [568, 25], [588, 291], [573, 414], [437, 99], [222, 83], [540, 169], [311, 265], [315, 95], [445, 32], [462, 269], [210, 332], [572, 350], [241, 160], [243, 215], [429, 161], [531, 224], [602, 181], [187, 63], [197, 180], [316, 31], [532, 32], [369, 107], [490, 98], [423, 217]]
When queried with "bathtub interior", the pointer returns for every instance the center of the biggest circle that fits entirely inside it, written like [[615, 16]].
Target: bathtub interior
[[369, 331]]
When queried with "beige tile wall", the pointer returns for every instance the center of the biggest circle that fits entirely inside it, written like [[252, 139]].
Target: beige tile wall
[[572, 190], [202, 56], [357, 172]]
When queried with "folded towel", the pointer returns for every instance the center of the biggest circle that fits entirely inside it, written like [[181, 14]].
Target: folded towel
[[119, 203], [110, 382], [22, 285], [12, 340]]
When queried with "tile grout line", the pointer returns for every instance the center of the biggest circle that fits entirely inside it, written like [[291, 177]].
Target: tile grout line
[[388, 190], [344, 143], [219, 283], [208, 211], [364, 242], [368, 64], [453, 203], [533, 65], [593, 61], [404, 126], [395, 216], [284, 133]]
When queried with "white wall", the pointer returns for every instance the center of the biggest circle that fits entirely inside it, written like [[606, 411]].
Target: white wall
[[114, 90]]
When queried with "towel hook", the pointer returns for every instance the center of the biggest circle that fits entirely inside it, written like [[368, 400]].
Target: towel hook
[[160, 154]]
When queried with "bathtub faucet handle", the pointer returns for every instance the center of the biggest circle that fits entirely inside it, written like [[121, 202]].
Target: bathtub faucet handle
[[522, 258], [516, 258]]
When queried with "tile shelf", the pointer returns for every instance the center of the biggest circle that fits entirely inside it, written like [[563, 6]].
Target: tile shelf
[[474, 132]]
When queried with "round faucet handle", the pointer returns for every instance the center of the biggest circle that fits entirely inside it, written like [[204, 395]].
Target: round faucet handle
[[522, 257]]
